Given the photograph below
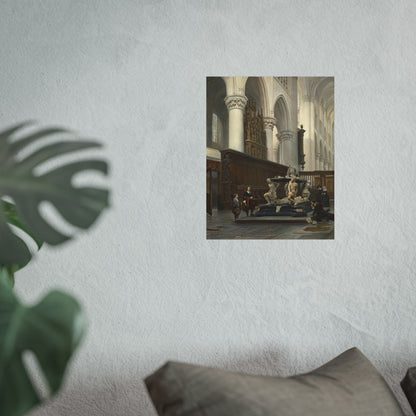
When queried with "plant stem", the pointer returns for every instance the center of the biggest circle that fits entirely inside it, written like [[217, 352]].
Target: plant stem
[[7, 275]]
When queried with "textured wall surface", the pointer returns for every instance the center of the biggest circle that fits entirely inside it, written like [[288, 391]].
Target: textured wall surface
[[132, 73]]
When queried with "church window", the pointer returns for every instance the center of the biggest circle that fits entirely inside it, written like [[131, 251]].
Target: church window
[[216, 129]]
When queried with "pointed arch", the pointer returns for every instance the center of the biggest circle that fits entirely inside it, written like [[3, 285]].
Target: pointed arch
[[256, 89], [282, 114]]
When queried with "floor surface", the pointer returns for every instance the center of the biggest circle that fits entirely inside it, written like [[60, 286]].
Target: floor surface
[[221, 226]]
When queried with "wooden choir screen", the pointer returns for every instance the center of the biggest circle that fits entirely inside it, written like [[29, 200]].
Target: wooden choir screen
[[239, 170], [254, 134]]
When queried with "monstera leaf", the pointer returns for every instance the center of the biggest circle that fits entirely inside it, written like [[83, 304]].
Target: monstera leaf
[[11, 216], [19, 181], [52, 329]]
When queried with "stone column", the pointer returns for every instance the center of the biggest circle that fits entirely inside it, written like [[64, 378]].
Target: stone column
[[287, 148], [268, 123], [321, 162], [236, 105], [307, 118], [275, 147], [317, 159]]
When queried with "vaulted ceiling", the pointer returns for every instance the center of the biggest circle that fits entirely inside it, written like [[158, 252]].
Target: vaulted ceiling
[[322, 90], [324, 93]]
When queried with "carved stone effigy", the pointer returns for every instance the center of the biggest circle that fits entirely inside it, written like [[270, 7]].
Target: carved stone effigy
[[306, 192], [292, 190], [295, 204], [271, 196]]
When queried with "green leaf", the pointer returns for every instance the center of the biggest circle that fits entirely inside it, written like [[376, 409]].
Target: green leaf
[[51, 329], [13, 250], [11, 213], [80, 206]]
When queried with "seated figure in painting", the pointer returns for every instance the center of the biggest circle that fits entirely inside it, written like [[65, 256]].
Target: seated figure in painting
[[294, 204], [319, 214], [306, 192], [271, 196], [249, 205], [292, 190]]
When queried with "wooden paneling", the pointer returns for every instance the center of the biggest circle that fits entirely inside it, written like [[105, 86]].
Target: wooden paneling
[[329, 183], [213, 188], [214, 164], [321, 177], [239, 170]]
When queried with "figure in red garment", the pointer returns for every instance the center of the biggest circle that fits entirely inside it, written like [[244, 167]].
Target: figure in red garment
[[248, 202]]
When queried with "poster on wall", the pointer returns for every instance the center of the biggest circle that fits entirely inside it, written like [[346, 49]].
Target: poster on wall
[[270, 157]]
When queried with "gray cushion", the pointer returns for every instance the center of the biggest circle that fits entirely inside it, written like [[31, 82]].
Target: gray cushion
[[409, 387], [349, 385]]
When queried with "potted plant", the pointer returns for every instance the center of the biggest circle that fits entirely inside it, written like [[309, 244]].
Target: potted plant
[[53, 328]]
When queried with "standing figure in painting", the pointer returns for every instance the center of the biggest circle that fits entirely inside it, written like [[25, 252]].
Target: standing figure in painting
[[249, 204], [325, 197], [292, 190], [271, 196], [236, 207], [319, 193]]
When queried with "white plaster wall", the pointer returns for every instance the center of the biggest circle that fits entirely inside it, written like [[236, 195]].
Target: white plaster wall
[[132, 73]]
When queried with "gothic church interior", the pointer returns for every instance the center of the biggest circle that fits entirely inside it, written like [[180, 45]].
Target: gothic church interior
[[253, 126]]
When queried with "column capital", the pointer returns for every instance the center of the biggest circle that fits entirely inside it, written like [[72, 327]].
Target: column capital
[[236, 102], [285, 135], [269, 123]]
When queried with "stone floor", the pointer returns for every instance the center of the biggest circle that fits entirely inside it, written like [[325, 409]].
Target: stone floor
[[221, 225]]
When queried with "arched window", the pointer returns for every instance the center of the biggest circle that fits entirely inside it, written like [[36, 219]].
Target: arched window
[[216, 129]]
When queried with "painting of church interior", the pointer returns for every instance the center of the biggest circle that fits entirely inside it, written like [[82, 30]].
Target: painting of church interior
[[270, 158]]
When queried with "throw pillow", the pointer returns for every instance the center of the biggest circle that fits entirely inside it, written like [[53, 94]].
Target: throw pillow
[[349, 385]]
